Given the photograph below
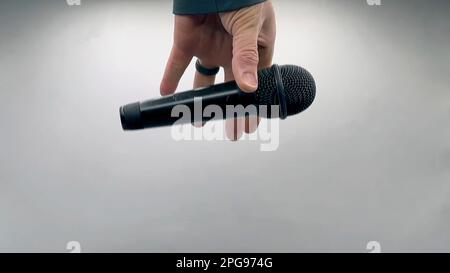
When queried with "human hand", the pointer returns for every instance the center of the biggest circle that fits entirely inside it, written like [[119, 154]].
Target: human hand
[[241, 41]]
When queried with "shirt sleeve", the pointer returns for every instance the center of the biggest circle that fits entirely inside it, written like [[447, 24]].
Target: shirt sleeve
[[195, 7]]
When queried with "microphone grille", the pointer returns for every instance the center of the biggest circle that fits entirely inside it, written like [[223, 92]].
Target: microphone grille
[[299, 88]]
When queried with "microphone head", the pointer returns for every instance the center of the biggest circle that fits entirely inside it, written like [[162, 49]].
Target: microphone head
[[299, 88]]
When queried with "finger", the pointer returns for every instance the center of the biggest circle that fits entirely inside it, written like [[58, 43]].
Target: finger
[[245, 26], [248, 125], [266, 57], [267, 36], [265, 61], [245, 61], [251, 124], [201, 80], [234, 128], [266, 42], [176, 65]]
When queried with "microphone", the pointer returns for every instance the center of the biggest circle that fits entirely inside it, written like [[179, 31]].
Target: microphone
[[291, 88]]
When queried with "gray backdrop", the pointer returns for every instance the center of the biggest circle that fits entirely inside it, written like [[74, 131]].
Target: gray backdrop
[[370, 160]]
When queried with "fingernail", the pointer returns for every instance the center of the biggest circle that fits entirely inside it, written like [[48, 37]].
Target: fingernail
[[250, 79]]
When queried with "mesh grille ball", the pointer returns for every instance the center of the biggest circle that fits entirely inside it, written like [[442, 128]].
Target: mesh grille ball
[[299, 88]]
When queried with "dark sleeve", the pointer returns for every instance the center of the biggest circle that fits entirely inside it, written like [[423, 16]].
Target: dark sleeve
[[191, 7]]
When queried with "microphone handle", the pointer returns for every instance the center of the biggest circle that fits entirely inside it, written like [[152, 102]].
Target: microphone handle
[[158, 112]]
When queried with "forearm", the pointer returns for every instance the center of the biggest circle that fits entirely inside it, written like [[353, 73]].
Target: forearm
[[191, 7]]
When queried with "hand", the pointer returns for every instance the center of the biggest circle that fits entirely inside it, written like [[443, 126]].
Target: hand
[[241, 41]]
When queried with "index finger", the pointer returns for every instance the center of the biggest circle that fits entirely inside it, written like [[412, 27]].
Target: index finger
[[175, 68]]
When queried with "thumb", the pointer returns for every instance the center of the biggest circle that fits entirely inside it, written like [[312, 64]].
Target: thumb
[[245, 61], [245, 26]]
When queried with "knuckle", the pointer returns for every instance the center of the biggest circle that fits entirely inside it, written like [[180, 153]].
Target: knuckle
[[249, 56]]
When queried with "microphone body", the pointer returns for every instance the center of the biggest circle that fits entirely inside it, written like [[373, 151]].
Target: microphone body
[[158, 112], [290, 88]]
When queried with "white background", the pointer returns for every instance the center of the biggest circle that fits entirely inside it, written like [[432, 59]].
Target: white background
[[370, 160]]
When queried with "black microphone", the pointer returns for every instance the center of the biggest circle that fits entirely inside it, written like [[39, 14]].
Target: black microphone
[[291, 88]]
